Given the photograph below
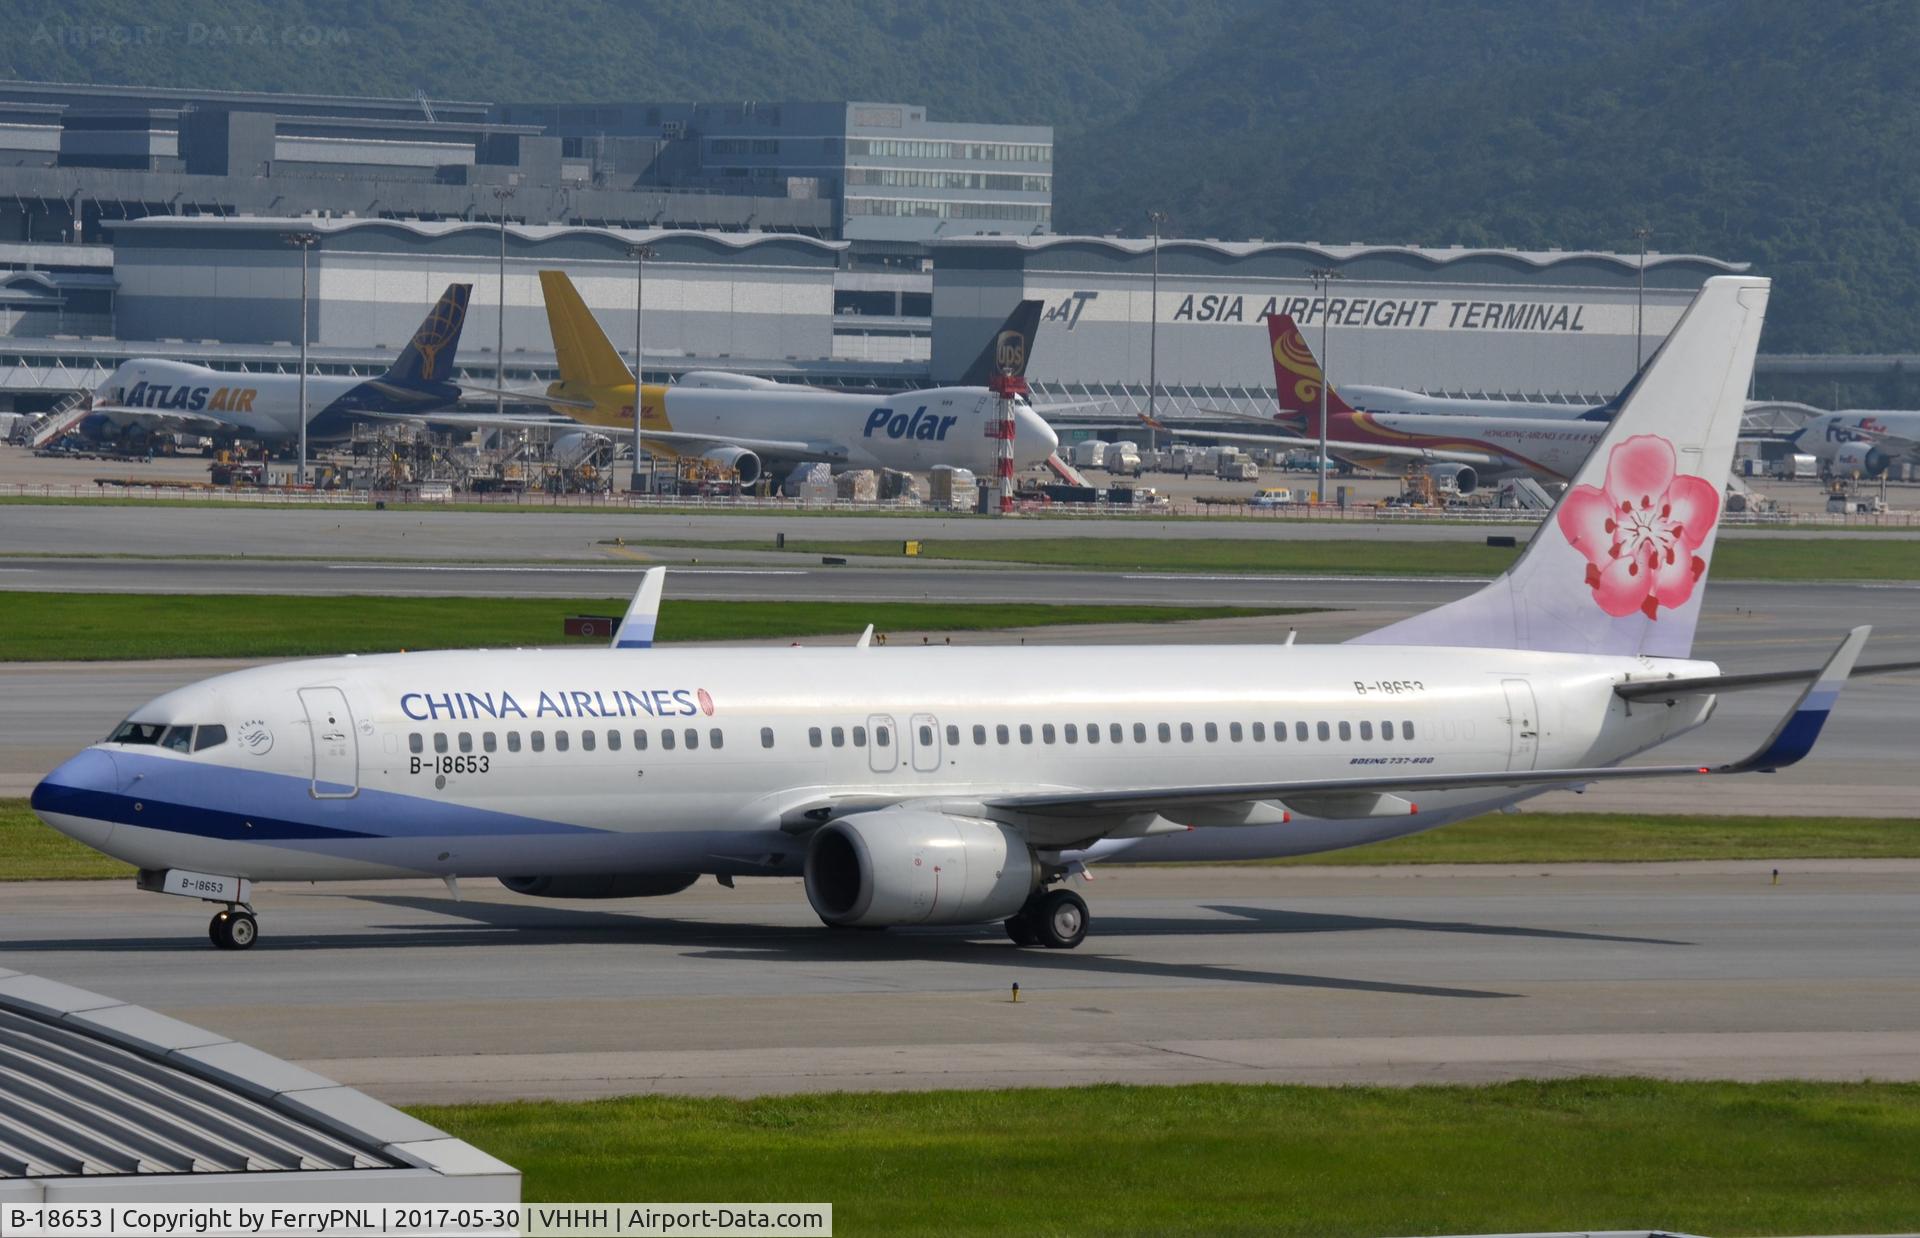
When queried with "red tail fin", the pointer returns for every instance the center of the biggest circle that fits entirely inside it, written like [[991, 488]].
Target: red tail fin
[[1297, 374]]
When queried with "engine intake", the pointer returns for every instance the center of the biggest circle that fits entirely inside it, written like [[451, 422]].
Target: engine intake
[[906, 866], [745, 464], [602, 885], [1461, 477]]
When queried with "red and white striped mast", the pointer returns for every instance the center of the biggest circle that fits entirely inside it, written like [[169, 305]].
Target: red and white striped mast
[[1006, 389]]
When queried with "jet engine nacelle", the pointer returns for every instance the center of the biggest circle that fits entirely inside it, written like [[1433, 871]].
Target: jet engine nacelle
[[907, 866], [576, 448], [1461, 478], [602, 885], [743, 462], [1858, 460]]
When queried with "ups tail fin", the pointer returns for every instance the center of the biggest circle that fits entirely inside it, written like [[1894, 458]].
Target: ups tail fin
[[1008, 350], [585, 355], [428, 356], [1297, 374], [1620, 564]]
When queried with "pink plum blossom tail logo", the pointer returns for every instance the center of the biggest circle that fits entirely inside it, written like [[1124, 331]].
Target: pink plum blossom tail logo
[[1641, 533]]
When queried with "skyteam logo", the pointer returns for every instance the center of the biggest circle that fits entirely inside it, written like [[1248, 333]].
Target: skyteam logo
[[919, 424]]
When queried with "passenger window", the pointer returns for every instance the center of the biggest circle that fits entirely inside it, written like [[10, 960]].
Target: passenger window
[[1046, 733], [488, 743], [210, 737], [1026, 733], [1324, 731], [1406, 730], [953, 736], [693, 739], [1093, 732], [1166, 733], [1139, 732], [513, 741], [716, 739], [1300, 731], [560, 741], [1213, 733], [666, 738], [1186, 732], [1386, 730], [813, 737], [1260, 733], [979, 735], [859, 737], [415, 743], [1366, 730], [839, 737], [613, 741], [586, 741], [882, 737], [926, 736], [466, 741], [639, 741], [178, 739], [439, 741], [766, 737], [1234, 732], [1115, 734], [538, 740], [1000, 733], [1070, 733], [1346, 730]]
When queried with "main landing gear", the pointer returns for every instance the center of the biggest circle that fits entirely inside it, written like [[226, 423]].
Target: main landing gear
[[1056, 919], [234, 928]]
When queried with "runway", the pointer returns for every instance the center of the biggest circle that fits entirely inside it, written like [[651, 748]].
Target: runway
[[1329, 975]]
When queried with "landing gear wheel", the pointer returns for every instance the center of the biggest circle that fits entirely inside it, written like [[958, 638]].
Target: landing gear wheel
[[234, 930], [1059, 919], [1020, 930]]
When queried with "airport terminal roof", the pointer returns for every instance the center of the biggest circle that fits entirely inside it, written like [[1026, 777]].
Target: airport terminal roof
[[97, 1092], [1437, 256], [433, 229]]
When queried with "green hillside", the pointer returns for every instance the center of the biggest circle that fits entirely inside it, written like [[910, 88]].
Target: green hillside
[[1762, 130]]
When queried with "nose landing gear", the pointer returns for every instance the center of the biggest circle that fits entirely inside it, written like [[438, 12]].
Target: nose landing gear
[[1056, 919], [234, 929]]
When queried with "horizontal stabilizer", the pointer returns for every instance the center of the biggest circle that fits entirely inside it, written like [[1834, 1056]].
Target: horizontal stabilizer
[[1669, 689]]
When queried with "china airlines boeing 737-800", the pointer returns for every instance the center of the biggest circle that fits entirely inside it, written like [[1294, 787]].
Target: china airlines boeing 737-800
[[957, 786]]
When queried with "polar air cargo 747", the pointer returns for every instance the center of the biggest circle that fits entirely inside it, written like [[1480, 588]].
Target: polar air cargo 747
[[961, 786], [745, 423], [173, 397]]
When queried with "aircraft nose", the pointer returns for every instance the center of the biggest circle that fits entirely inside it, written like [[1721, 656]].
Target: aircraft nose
[[1033, 433], [69, 798]]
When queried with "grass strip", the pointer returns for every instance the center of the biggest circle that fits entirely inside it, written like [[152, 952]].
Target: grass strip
[[1706, 1158], [82, 627]]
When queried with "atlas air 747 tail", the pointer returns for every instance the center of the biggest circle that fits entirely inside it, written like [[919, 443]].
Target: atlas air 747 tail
[[754, 425]]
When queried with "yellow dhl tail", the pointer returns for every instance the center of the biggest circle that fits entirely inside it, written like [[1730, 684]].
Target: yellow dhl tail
[[586, 357]]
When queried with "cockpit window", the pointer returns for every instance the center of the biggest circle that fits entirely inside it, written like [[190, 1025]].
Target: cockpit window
[[131, 732], [178, 739], [209, 737]]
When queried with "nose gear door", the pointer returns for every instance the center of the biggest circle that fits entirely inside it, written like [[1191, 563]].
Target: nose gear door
[[336, 750]]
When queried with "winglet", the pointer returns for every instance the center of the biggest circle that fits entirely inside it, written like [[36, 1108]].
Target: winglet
[[636, 630], [1794, 737], [866, 638]]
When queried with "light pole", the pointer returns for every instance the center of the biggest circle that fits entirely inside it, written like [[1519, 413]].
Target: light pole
[[1156, 218], [303, 241], [1642, 233], [1323, 278], [641, 255], [500, 194]]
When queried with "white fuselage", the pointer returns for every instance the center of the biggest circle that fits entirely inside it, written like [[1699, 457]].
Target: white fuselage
[[1872, 439], [1547, 449], [1398, 400], [261, 406], [523, 762]]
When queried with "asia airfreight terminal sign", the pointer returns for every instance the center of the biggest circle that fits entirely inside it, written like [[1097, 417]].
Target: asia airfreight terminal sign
[[1564, 317]]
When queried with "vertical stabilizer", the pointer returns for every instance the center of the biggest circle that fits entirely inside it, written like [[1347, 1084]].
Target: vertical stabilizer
[[1297, 375], [1008, 350], [428, 357], [1620, 565], [586, 357]]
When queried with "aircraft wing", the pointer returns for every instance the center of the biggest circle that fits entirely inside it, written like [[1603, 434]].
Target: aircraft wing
[[784, 449], [1479, 459], [531, 397], [470, 421], [1370, 796], [166, 421]]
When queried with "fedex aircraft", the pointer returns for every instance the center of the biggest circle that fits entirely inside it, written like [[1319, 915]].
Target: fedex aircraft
[[742, 422], [1466, 449], [957, 786], [1860, 444], [153, 396]]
